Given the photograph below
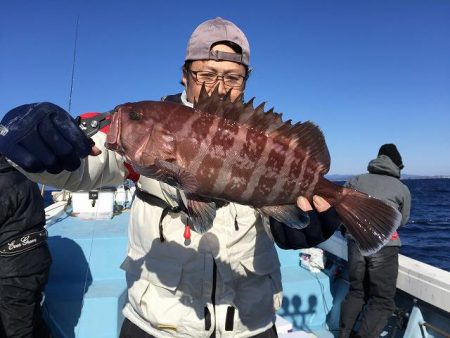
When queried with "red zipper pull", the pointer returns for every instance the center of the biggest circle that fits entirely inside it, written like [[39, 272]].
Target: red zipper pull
[[187, 232]]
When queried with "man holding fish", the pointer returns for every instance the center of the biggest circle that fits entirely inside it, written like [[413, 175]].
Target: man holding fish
[[201, 258]]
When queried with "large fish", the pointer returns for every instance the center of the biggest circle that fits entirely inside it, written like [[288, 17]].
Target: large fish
[[230, 151]]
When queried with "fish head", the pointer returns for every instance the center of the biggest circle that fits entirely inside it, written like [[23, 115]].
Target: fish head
[[137, 133]]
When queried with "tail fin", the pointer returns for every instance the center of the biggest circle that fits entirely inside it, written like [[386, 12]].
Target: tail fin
[[370, 221]]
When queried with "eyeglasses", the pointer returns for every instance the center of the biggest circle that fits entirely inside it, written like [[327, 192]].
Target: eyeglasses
[[211, 78]]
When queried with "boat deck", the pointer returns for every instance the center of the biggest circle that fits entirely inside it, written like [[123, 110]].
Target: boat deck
[[86, 280], [307, 296]]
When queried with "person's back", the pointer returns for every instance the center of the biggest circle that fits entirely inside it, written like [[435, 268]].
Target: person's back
[[373, 278], [383, 182], [24, 257]]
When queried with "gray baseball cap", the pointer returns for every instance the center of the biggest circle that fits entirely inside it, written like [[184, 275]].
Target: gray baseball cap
[[216, 30]]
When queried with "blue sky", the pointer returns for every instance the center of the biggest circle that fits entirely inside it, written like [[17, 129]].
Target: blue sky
[[367, 72]]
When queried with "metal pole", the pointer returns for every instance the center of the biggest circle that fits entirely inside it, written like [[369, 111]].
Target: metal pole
[[436, 329]]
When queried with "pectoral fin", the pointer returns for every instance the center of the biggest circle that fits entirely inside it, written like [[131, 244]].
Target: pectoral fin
[[176, 176], [201, 213]]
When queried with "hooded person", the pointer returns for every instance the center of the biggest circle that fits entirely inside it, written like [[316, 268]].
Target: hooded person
[[390, 150], [376, 291]]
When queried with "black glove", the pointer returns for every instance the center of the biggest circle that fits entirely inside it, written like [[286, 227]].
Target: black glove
[[42, 136], [321, 226]]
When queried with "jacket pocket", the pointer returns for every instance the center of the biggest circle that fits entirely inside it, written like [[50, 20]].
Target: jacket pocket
[[262, 264], [152, 291], [262, 278], [160, 302], [162, 273]]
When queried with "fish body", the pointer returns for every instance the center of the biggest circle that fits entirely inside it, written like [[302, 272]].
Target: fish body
[[230, 151]]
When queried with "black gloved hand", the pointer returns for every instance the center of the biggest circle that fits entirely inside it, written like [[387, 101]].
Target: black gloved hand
[[321, 226], [42, 136]]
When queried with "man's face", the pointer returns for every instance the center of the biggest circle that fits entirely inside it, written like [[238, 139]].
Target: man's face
[[218, 67]]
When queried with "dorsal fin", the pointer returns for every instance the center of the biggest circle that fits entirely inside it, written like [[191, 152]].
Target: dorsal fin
[[303, 135], [238, 111]]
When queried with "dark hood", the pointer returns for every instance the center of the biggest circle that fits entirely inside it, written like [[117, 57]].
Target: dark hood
[[383, 165]]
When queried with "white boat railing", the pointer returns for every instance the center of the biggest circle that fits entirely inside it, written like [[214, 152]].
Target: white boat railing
[[423, 281], [54, 212]]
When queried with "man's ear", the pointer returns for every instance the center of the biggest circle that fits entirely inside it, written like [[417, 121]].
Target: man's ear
[[184, 78]]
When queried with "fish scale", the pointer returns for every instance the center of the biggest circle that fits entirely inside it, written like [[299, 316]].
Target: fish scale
[[227, 173], [201, 134], [229, 151]]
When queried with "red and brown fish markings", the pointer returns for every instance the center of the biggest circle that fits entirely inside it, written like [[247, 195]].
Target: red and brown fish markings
[[231, 151]]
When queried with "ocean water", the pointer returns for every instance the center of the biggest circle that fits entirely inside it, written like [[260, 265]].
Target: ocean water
[[426, 237]]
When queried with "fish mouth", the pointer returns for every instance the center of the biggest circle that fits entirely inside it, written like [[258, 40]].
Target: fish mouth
[[114, 133]]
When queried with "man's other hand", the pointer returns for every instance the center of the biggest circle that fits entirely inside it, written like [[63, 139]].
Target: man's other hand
[[43, 136]]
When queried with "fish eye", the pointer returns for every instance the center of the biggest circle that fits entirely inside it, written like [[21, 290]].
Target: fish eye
[[135, 116]]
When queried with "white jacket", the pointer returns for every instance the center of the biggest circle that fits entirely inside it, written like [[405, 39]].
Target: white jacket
[[171, 283]]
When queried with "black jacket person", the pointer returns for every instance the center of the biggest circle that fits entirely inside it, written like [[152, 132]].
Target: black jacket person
[[24, 257]]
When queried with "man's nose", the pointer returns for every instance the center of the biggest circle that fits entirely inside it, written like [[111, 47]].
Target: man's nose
[[221, 86]]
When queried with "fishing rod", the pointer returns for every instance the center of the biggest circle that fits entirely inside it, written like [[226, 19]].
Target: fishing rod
[[71, 87], [73, 64], [88, 125]]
